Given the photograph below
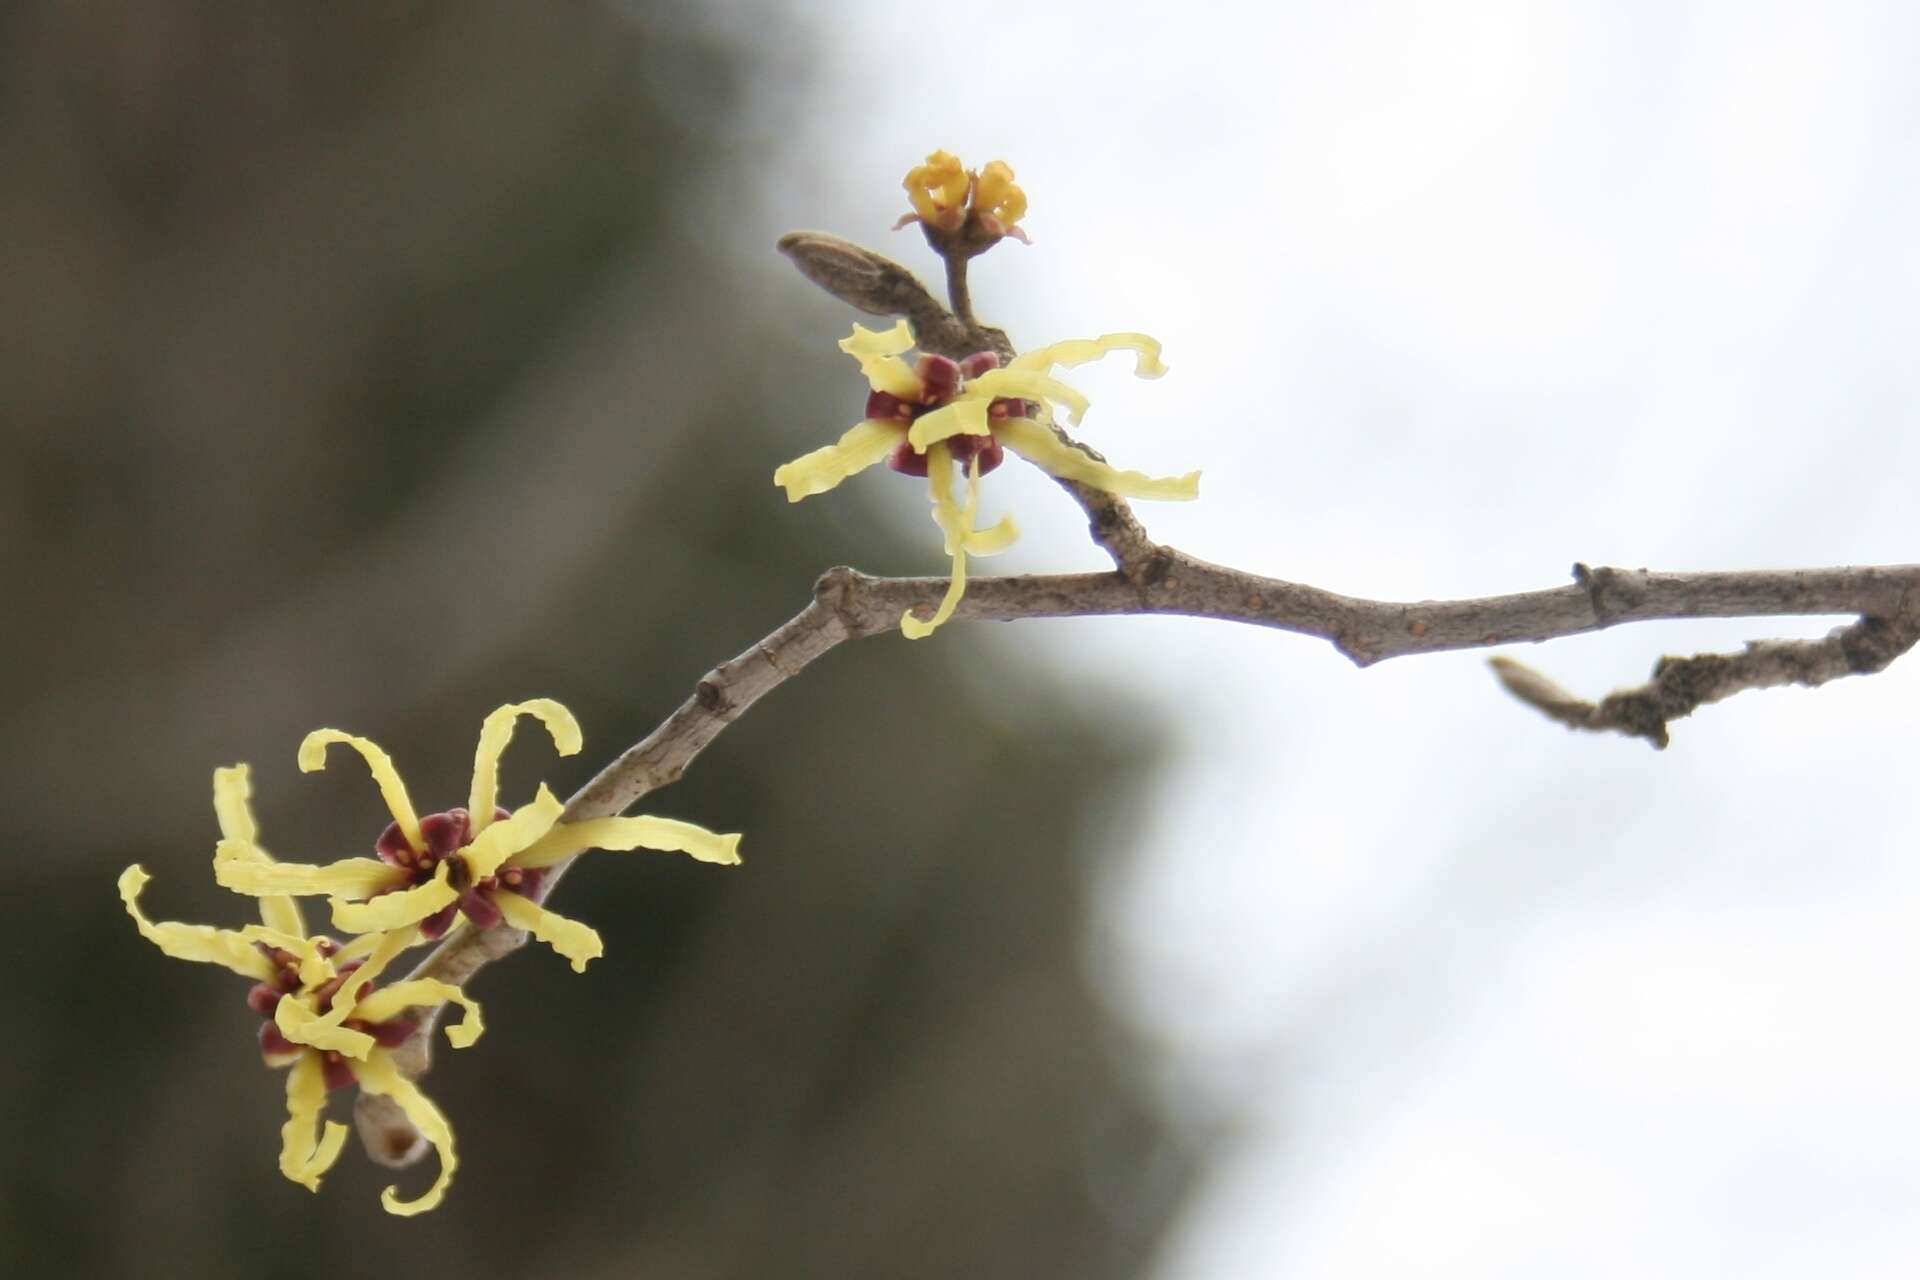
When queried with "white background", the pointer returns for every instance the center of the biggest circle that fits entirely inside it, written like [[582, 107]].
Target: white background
[[1453, 296]]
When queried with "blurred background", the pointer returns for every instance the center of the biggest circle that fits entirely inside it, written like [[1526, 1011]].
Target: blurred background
[[371, 365]]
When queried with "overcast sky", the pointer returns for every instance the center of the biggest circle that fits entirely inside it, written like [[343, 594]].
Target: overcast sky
[[1454, 296]]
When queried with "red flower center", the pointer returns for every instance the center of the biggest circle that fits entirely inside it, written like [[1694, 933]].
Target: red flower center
[[445, 835], [941, 380]]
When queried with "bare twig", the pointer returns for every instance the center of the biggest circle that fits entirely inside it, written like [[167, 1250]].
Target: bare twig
[[1680, 685], [848, 604]]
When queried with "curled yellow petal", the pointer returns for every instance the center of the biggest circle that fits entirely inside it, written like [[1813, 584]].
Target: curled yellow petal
[[570, 938], [878, 342], [1041, 447], [665, 834], [962, 417], [983, 542], [313, 756], [495, 732], [866, 443], [395, 910], [291, 942], [235, 868], [378, 1074], [953, 523], [500, 842], [303, 1156], [298, 1022], [358, 949], [991, 542], [1028, 384], [1076, 351], [878, 354], [357, 984], [197, 942], [421, 993]]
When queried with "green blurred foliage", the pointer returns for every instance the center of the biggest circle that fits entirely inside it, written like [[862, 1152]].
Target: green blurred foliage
[[364, 365]]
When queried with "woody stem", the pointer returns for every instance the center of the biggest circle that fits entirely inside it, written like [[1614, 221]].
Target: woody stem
[[957, 295]]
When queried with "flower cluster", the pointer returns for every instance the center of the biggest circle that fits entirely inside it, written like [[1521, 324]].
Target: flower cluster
[[924, 418], [326, 1018], [961, 210]]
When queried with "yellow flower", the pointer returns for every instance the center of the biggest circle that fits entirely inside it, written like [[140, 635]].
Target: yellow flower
[[948, 199], [321, 1017], [921, 419], [481, 863], [381, 1016]]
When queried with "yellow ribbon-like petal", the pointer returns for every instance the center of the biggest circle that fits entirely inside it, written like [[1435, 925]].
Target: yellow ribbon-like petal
[[570, 938], [359, 949], [395, 910], [197, 942], [981, 542], [501, 842], [361, 980], [232, 793], [495, 732], [865, 444], [298, 1022], [1041, 447], [303, 1156], [953, 522], [1078, 351], [378, 1074], [991, 542], [1028, 384], [878, 353], [665, 834], [878, 342], [962, 417], [313, 756], [232, 789], [422, 993], [235, 868]]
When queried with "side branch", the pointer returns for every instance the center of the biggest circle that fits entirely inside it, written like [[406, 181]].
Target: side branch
[[1680, 685]]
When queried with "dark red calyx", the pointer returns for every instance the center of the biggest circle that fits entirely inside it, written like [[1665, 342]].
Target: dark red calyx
[[328, 991], [336, 1070], [264, 998], [444, 834], [888, 408], [274, 1043], [978, 363], [435, 925], [477, 905], [525, 882], [904, 460], [988, 450], [939, 379]]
